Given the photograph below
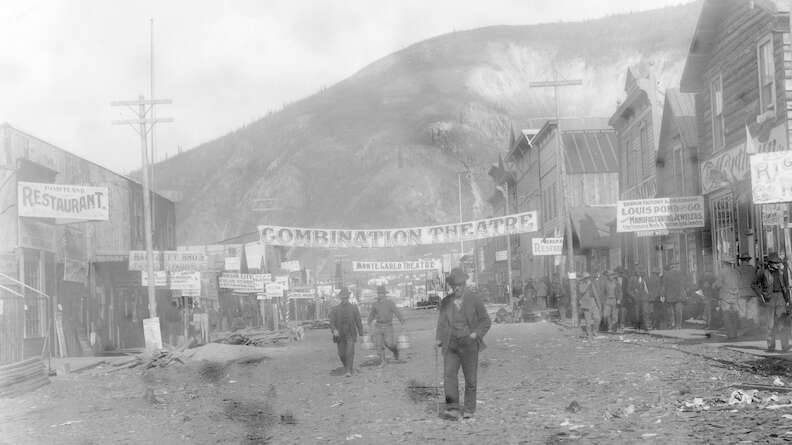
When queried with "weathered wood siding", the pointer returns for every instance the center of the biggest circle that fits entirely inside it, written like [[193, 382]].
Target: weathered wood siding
[[734, 57]]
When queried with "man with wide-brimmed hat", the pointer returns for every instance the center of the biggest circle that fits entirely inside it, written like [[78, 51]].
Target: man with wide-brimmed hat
[[381, 315], [589, 304], [461, 325], [773, 280], [345, 325]]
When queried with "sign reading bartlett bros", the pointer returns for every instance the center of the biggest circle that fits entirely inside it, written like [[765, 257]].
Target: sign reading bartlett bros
[[449, 233], [660, 214], [63, 201]]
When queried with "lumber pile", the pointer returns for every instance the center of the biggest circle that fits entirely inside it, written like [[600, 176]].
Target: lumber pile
[[21, 377], [259, 337]]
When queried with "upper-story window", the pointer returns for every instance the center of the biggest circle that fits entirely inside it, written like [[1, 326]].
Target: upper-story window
[[716, 99], [766, 74], [679, 182]]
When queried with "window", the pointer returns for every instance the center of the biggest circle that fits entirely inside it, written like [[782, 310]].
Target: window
[[766, 74], [724, 228], [679, 170], [33, 307], [716, 99]]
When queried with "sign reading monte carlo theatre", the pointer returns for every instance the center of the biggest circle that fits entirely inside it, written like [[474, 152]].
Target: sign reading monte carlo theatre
[[641, 215], [395, 266], [74, 202], [413, 236]]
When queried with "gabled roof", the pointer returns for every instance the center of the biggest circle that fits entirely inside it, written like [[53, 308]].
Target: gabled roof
[[680, 110], [706, 32], [639, 82], [591, 151]]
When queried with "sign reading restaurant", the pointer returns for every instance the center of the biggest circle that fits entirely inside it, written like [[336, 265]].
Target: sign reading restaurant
[[395, 266], [414, 236], [642, 215], [547, 246], [74, 202]]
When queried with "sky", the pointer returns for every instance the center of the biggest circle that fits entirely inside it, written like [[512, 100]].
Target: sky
[[223, 63]]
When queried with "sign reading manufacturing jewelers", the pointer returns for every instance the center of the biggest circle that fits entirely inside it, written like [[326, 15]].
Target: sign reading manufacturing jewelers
[[73, 202], [547, 246], [395, 266], [771, 177], [414, 236], [660, 214]]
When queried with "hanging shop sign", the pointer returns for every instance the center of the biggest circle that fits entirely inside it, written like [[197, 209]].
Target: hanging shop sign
[[501, 255], [414, 236], [184, 261], [283, 280], [73, 202], [642, 215], [274, 290], [160, 278], [244, 282], [547, 246], [186, 281], [771, 177], [233, 264], [291, 266], [396, 266]]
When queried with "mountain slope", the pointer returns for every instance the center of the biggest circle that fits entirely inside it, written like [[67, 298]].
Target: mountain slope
[[383, 147]]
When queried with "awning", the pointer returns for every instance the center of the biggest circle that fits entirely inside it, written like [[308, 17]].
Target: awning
[[593, 227]]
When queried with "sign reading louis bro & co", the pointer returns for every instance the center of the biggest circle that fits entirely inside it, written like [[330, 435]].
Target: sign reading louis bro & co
[[640, 215]]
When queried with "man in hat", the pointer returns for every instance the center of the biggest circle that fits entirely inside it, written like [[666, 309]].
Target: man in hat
[[381, 314], [612, 291], [589, 304], [345, 325], [675, 288], [462, 323], [773, 281]]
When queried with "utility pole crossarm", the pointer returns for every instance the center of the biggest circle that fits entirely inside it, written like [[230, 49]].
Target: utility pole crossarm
[[555, 83], [123, 103]]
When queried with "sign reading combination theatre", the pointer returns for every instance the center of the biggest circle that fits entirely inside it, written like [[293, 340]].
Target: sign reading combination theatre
[[641, 215], [78, 202], [414, 236]]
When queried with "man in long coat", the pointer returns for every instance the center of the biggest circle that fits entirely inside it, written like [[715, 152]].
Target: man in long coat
[[346, 325]]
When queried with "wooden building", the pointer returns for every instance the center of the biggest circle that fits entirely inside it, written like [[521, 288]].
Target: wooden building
[[739, 67], [80, 296], [637, 120], [677, 175]]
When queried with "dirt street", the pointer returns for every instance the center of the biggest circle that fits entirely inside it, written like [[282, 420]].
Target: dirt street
[[538, 383]]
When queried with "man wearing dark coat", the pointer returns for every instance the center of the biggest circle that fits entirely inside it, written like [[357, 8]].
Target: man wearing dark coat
[[461, 325], [346, 325]]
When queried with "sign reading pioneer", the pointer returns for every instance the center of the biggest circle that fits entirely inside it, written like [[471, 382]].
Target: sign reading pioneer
[[642, 215], [396, 266], [73, 202], [413, 236], [547, 246]]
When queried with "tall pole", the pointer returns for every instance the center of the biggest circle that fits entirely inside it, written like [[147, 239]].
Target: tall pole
[[153, 116], [461, 241], [508, 244], [562, 173], [147, 212], [142, 124]]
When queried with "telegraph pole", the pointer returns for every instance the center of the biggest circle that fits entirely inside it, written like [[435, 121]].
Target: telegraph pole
[[144, 126], [461, 239], [562, 173]]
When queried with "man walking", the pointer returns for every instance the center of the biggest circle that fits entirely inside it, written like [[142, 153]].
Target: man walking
[[345, 325], [774, 279], [589, 304], [382, 312], [461, 325], [612, 291]]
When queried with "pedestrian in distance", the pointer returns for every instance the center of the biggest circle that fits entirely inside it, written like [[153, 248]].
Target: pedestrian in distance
[[658, 301], [462, 323], [639, 293], [728, 284], [612, 291], [381, 316], [675, 288], [589, 305], [346, 325]]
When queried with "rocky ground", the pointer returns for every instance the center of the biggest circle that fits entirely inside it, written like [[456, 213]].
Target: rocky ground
[[539, 383]]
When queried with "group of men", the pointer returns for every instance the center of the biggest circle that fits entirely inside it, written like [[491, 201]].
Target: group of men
[[462, 323], [346, 325]]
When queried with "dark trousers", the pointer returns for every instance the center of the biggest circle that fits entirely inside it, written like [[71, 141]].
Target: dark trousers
[[462, 352], [346, 352]]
